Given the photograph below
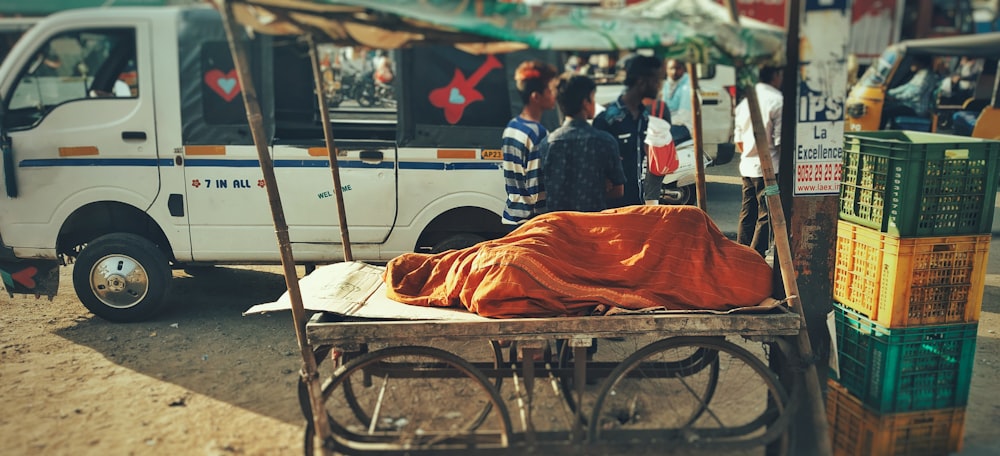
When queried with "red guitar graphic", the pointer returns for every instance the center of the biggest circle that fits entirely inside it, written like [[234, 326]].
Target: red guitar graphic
[[461, 92]]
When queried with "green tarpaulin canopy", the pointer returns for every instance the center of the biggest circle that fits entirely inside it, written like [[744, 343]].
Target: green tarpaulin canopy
[[694, 30]]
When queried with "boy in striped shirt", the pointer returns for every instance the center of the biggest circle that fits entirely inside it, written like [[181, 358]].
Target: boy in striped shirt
[[536, 83]]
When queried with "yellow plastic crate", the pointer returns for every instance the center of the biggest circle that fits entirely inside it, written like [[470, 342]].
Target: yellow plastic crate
[[858, 431], [900, 282]]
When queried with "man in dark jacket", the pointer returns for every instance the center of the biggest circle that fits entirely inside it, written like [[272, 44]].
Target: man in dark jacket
[[626, 119]]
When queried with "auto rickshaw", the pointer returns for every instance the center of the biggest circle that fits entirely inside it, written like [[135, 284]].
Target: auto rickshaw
[[866, 100]]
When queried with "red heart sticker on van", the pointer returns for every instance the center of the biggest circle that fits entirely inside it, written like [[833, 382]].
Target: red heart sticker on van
[[224, 84], [26, 276]]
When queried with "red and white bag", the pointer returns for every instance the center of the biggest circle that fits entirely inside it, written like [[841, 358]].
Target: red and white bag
[[661, 152]]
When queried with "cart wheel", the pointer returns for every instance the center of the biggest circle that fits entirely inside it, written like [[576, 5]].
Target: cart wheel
[[610, 353], [362, 414], [417, 397], [735, 405]]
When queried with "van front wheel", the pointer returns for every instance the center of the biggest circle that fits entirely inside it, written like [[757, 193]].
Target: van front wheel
[[122, 277]]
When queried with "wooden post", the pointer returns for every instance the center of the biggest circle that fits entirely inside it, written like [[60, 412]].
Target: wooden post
[[331, 149], [309, 371], [699, 148], [783, 253]]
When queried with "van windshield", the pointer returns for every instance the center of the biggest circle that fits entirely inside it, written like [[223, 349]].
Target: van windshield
[[877, 74]]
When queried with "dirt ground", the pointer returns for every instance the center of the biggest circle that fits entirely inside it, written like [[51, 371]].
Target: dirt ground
[[202, 379]]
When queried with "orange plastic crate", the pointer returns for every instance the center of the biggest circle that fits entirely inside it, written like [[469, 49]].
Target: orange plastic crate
[[900, 282], [856, 430]]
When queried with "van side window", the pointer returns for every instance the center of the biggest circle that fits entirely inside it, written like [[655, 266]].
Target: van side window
[[222, 96], [73, 66]]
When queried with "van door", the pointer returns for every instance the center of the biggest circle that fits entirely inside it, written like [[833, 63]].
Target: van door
[[367, 180], [230, 215], [80, 117], [228, 211]]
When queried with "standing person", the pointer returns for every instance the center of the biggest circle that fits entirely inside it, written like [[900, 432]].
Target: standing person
[[754, 227], [626, 119], [677, 95], [536, 84], [581, 167], [384, 74]]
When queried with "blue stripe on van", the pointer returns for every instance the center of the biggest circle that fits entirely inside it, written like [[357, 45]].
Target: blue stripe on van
[[50, 162], [473, 165], [326, 164], [221, 163], [230, 163], [448, 166]]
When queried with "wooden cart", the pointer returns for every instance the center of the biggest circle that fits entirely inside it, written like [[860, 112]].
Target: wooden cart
[[687, 381]]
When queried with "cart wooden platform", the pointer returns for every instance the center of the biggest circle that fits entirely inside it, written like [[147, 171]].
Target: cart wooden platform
[[693, 382]]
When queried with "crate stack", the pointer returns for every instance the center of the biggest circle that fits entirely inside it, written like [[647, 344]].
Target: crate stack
[[916, 212]]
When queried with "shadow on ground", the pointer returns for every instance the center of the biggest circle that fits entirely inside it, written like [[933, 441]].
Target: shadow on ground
[[204, 344]]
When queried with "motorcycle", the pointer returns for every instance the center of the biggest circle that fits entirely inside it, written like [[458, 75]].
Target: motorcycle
[[370, 92], [679, 186]]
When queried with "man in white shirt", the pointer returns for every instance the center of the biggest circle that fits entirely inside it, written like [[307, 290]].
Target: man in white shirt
[[754, 224]]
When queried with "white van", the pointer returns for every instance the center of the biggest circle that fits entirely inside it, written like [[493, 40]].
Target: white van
[[164, 174]]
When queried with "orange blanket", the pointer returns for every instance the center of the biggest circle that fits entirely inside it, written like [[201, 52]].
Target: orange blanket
[[566, 263]]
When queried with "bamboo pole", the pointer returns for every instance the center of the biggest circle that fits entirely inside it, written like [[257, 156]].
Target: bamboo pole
[[309, 371], [331, 149], [699, 147], [788, 277]]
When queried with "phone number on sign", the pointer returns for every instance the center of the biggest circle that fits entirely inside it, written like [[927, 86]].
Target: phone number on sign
[[817, 172]]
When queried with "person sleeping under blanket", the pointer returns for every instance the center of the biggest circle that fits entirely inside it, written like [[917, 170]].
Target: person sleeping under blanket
[[568, 263]]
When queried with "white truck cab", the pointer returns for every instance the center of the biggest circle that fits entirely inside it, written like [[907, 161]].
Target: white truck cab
[[127, 151]]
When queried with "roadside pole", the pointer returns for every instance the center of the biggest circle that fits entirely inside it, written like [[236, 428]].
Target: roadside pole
[[809, 174]]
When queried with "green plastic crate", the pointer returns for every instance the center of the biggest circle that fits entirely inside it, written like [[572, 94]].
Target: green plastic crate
[[910, 184], [904, 369]]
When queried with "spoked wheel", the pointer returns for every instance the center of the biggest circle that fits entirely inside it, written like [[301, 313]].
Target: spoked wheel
[[613, 352], [664, 391], [361, 413], [414, 397]]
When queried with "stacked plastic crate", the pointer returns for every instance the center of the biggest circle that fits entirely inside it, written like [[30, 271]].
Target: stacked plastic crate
[[916, 212]]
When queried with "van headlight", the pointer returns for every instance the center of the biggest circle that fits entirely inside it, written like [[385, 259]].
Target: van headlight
[[856, 110]]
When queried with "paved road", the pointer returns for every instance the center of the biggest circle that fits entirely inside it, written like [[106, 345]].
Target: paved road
[[722, 185]]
